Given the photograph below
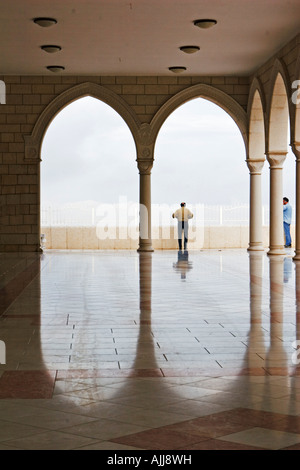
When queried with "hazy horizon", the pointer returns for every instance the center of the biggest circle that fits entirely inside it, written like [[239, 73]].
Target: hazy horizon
[[88, 154]]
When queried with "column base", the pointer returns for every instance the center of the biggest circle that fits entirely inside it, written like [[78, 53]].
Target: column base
[[254, 247], [276, 251], [297, 255], [145, 247]]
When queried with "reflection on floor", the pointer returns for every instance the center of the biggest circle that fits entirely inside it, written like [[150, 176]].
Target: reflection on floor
[[164, 350]]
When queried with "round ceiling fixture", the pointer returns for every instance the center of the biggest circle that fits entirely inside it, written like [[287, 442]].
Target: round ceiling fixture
[[55, 68], [51, 49], [190, 49], [45, 22], [205, 24], [177, 69]]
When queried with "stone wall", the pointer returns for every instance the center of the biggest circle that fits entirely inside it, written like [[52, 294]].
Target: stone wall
[[85, 238]]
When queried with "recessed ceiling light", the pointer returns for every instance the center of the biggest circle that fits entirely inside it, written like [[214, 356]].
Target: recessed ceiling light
[[51, 49], [45, 22], [55, 68], [190, 49], [205, 24], [177, 69]]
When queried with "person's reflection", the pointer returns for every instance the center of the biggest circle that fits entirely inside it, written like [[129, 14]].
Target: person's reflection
[[183, 265], [287, 269]]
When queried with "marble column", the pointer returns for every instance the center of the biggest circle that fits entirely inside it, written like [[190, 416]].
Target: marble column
[[296, 150], [255, 226], [276, 160], [145, 240]]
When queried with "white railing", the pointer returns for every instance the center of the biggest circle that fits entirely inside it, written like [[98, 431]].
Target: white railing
[[120, 215]]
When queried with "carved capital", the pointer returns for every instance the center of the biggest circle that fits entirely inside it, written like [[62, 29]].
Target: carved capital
[[296, 150], [276, 159], [145, 149], [31, 152], [255, 166], [145, 166]]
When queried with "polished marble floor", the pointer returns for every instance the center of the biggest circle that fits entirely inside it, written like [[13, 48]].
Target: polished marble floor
[[114, 350]]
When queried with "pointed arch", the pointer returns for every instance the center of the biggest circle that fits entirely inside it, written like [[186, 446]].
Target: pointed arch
[[34, 140], [278, 108], [256, 116], [295, 121], [226, 102]]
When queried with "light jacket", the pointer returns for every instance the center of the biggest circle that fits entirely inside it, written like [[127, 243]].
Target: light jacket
[[287, 213], [182, 214]]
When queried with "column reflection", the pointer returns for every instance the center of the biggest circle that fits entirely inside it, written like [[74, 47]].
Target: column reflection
[[145, 357], [256, 341], [252, 367], [297, 271], [276, 355]]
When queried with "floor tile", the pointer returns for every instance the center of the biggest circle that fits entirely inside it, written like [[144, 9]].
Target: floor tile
[[103, 429], [107, 351], [159, 439], [29, 384], [52, 440], [265, 438], [10, 430]]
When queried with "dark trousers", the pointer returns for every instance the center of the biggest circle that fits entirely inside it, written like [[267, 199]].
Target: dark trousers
[[183, 231]]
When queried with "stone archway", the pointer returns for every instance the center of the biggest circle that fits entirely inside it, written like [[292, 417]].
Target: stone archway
[[295, 143], [278, 112], [210, 94], [295, 121], [33, 142], [255, 161], [226, 102]]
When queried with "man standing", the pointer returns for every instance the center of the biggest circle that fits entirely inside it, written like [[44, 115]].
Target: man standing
[[183, 215], [287, 220]]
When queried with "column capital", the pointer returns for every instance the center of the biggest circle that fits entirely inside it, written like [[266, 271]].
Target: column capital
[[31, 154], [276, 159], [255, 166], [296, 150], [145, 165]]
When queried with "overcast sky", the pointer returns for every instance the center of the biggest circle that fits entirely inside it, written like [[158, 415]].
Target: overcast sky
[[88, 154]]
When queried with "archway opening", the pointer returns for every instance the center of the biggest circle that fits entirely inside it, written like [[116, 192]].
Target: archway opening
[[258, 233], [89, 182], [200, 159], [281, 167]]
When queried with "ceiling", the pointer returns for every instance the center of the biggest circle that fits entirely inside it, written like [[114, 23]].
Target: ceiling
[[142, 37]]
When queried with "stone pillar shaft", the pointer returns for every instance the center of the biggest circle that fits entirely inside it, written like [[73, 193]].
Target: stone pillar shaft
[[255, 225], [276, 160], [145, 240], [296, 150]]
